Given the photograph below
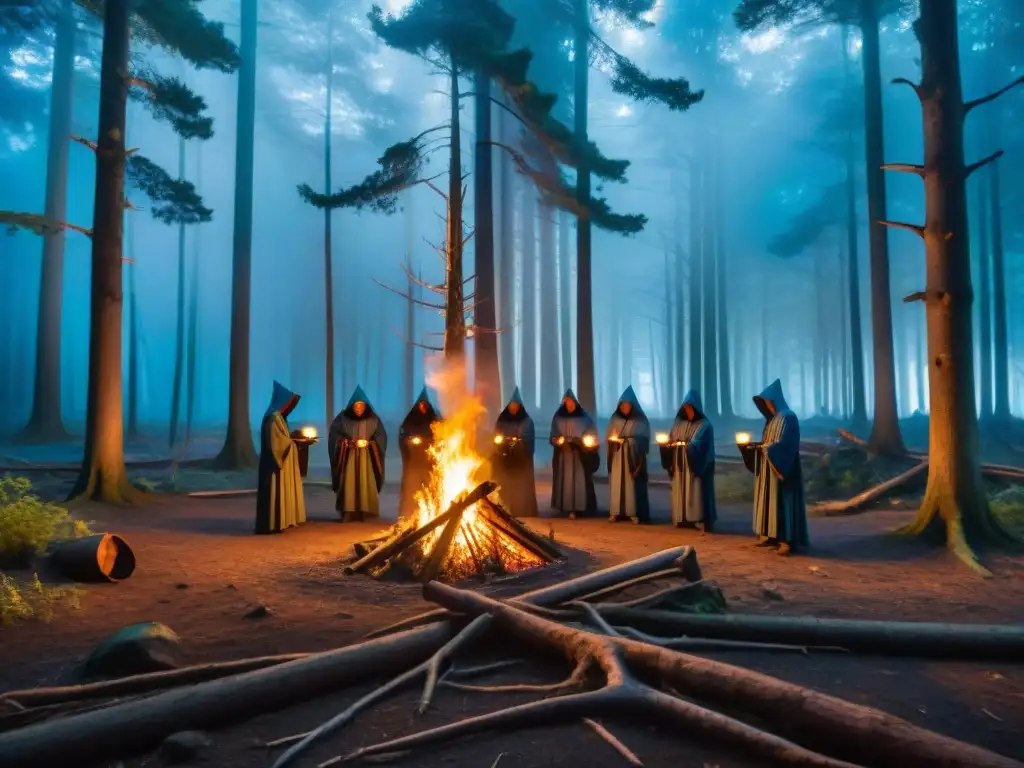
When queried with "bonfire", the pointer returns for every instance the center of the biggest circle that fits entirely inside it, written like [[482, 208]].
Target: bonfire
[[460, 529]]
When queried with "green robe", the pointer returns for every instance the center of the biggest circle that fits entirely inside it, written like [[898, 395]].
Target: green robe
[[780, 512], [691, 466], [280, 502]]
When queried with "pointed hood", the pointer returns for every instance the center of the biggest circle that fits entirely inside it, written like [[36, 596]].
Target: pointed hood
[[562, 410], [423, 397], [359, 396], [629, 396], [419, 421], [693, 400], [516, 398], [281, 397], [771, 394]]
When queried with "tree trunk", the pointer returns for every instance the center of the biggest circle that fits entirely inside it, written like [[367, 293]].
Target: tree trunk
[[844, 338], [695, 277], [1000, 341], [565, 299], [626, 361], [984, 301], [133, 341], [655, 384], [528, 296], [858, 416], [328, 235], [193, 317], [819, 336], [46, 421], [485, 351], [409, 358], [584, 279], [669, 318], [507, 265], [920, 363], [885, 431], [721, 269], [103, 476], [708, 270], [955, 506], [454, 310], [549, 393], [179, 329], [238, 451]]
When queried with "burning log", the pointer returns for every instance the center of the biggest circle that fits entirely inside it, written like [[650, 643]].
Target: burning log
[[473, 537]]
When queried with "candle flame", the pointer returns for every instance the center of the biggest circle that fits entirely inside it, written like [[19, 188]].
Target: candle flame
[[662, 438], [361, 443], [499, 439], [308, 432], [415, 440], [589, 441], [742, 438]]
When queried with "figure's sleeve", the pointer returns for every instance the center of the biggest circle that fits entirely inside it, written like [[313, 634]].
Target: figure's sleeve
[[700, 449], [783, 453], [280, 441], [749, 454], [641, 443], [555, 431], [667, 456], [528, 438]]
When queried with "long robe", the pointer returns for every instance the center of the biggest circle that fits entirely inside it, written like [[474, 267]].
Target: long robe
[[280, 502], [780, 512], [573, 464], [691, 466], [512, 460], [357, 473], [415, 437], [627, 462]]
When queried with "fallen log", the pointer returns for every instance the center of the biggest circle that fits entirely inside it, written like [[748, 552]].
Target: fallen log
[[861, 500], [919, 639], [882, 740], [146, 683], [678, 560], [138, 727], [98, 558]]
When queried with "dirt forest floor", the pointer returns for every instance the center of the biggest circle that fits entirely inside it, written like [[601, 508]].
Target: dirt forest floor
[[201, 571]]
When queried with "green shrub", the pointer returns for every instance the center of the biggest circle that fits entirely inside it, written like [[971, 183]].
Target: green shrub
[[26, 600], [1008, 508], [734, 486], [27, 523]]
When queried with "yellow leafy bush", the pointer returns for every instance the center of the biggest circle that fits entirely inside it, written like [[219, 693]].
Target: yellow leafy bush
[[27, 523], [20, 601]]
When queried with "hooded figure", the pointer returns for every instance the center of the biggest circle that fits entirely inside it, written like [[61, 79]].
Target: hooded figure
[[689, 457], [357, 444], [415, 437], [280, 502], [780, 515], [512, 460], [629, 439], [576, 458]]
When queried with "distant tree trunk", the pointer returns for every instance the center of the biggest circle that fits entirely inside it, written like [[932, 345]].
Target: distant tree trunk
[[984, 302], [238, 451], [528, 299], [133, 341], [179, 328], [485, 354], [655, 384], [548, 315], [885, 432], [626, 361], [708, 253], [193, 319], [844, 338], [507, 266], [859, 415], [695, 277], [454, 310], [584, 296], [613, 367], [921, 364], [955, 505], [765, 292], [46, 421], [1000, 339], [672, 284], [328, 234], [103, 476], [565, 299], [409, 358], [818, 345], [721, 270]]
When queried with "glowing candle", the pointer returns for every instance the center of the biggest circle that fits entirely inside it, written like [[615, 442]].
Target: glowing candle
[[361, 443], [415, 440], [742, 438], [560, 441], [589, 441], [499, 439], [309, 433], [661, 438]]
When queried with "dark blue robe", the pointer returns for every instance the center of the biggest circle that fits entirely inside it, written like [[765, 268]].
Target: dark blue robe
[[689, 458], [629, 440]]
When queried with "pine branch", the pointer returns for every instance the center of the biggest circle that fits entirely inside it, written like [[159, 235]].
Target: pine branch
[[917, 230], [86, 142], [917, 88], [917, 170], [982, 163], [407, 297], [38, 224], [970, 105], [175, 201], [438, 289]]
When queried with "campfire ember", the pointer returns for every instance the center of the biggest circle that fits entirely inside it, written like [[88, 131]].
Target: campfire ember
[[460, 529]]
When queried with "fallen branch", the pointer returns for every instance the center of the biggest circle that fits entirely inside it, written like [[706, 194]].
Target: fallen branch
[[919, 639], [861, 500], [617, 745], [138, 727], [151, 681], [852, 438]]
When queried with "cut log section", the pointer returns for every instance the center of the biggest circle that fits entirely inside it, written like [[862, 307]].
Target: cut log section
[[474, 537], [103, 557]]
